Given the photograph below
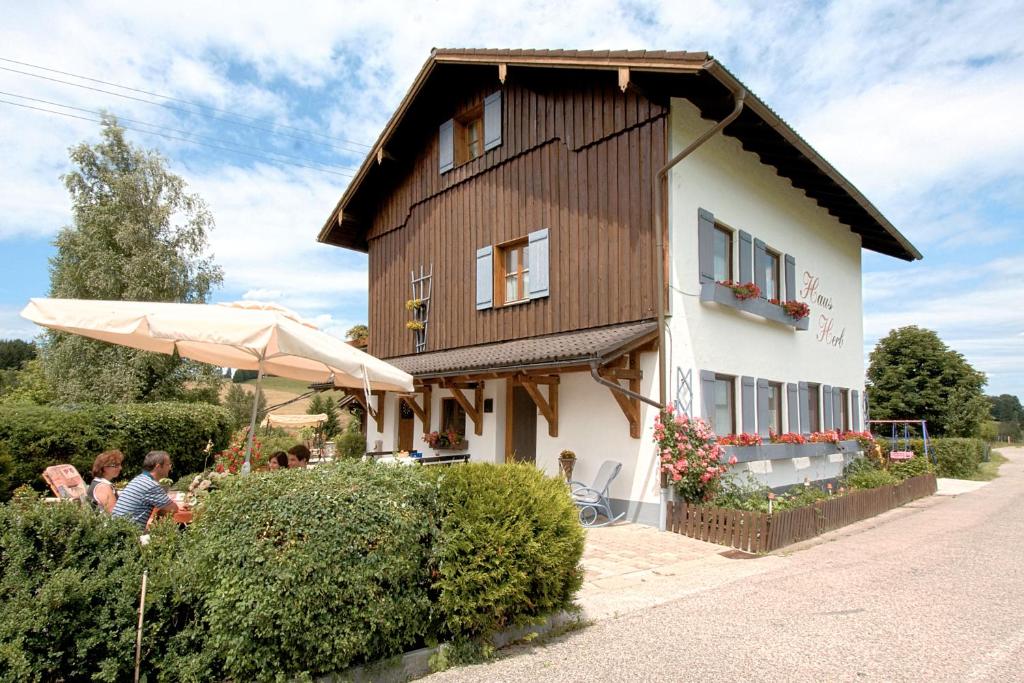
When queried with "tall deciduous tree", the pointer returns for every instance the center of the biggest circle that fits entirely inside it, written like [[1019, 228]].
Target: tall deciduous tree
[[15, 352], [137, 235], [914, 375], [1006, 408]]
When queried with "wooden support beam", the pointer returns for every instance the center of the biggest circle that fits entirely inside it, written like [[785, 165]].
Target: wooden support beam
[[623, 78], [383, 154], [623, 373], [502, 72], [378, 415], [631, 409], [548, 406], [630, 406], [422, 412], [473, 412]]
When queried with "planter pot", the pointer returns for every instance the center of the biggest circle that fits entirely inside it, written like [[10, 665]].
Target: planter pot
[[567, 465], [460, 446]]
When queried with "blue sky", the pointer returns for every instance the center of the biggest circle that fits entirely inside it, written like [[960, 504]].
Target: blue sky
[[916, 102]]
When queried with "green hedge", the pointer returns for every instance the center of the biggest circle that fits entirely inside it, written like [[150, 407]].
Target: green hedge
[[956, 458], [507, 551], [39, 436], [287, 575]]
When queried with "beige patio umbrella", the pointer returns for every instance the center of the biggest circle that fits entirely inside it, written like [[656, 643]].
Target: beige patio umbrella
[[245, 335], [294, 421]]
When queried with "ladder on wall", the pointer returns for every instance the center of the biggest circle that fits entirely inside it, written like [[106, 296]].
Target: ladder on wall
[[421, 290]]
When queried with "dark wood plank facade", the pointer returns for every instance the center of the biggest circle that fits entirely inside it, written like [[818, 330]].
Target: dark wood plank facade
[[578, 157]]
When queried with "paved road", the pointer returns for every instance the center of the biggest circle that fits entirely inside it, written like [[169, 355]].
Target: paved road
[[933, 593]]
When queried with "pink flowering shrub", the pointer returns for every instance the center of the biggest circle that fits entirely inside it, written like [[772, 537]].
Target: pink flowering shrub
[[689, 455]]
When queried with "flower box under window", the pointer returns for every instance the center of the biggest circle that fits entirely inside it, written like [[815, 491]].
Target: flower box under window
[[723, 295]]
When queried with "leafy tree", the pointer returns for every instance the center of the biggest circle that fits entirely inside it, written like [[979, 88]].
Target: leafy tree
[[914, 375], [242, 376], [15, 352], [28, 385], [1006, 408], [358, 333], [238, 401], [322, 403], [137, 235]]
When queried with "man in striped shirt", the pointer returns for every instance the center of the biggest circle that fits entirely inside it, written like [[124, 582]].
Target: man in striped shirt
[[143, 493]]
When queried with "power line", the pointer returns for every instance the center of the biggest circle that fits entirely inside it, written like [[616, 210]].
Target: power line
[[194, 142], [175, 130], [186, 111], [176, 99]]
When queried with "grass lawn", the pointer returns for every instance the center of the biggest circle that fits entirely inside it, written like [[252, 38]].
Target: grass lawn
[[990, 470], [294, 386]]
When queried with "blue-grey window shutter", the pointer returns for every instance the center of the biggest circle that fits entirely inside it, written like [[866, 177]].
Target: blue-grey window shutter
[[793, 407], [790, 278], [762, 407], [760, 259], [484, 278], [706, 245], [707, 394], [855, 410], [749, 424], [805, 407], [446, 146], [826, 407], [837, 407], [537, 279], [492, 120], [746, 254]]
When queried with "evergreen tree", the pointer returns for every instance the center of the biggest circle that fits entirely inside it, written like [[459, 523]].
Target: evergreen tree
[[137, 235], [321, 403]]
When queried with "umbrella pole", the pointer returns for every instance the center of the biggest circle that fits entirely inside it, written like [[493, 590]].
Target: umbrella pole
[[247, 465]]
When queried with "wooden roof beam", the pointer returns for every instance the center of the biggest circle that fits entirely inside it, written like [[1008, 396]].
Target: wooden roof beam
[[422, 412], [474, 411], [548, 406]]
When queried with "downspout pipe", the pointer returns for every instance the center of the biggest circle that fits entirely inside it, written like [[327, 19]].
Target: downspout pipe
[[660, 183], [615, 386]]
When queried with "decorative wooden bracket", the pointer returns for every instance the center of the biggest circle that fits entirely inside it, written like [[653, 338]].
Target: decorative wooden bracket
[[474, 412], [502, 72], [623, 78], [422, 412], [383, 154], [548, 407], [630, 406]]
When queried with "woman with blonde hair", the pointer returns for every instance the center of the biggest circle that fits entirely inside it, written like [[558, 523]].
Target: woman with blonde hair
[[105, 469]]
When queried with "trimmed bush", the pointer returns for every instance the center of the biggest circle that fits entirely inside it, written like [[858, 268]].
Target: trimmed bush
[[69, 581], [39, 436], [351, 443], [507, 550], [306, 572], [905, 469], [870, 479]]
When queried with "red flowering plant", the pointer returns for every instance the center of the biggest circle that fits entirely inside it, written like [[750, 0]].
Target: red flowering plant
[[830, 436], [788, 437], [746, 290], [865, 439], [743, 439], [230, 460], [797, 310], [445, 439], [689, 455]]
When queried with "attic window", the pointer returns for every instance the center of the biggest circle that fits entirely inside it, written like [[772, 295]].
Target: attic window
[[469, 135]]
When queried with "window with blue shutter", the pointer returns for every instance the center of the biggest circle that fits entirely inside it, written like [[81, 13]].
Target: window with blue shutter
[[760, 260], [746, 254], [826, 406], [484, 278], [537, 282], [749, 405], [492, 121], [790, 278], [793, 407], [764, 422], [446, 146], [706, 245], [707, 396], [855, 408], [805, 408]]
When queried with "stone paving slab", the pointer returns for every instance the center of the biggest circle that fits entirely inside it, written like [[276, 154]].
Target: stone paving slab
[[954, 487]]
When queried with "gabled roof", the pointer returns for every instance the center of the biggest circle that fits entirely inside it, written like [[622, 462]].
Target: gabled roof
[[759, 129]]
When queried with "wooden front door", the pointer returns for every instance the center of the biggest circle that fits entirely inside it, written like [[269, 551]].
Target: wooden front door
[[521, 433], [406, 420]]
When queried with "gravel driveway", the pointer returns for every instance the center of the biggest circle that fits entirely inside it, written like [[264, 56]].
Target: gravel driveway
[[931, 592]]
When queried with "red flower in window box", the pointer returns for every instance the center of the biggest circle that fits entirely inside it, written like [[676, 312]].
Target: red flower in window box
[[788, 437], [744, 291], [797, 310], [743, 439]]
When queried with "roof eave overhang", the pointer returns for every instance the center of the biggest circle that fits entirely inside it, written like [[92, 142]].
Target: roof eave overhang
[[712, 66]]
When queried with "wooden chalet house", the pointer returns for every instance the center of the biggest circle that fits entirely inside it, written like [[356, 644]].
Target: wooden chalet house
[[518, 215]]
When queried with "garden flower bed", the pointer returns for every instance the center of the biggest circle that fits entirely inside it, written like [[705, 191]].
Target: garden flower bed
[[758, 532]]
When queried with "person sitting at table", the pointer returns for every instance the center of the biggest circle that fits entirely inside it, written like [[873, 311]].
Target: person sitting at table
[[278, 460], [298, 457], [105, 469], [144, 493]]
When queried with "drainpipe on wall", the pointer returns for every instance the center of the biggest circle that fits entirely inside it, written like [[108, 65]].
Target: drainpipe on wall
[[659, 194]]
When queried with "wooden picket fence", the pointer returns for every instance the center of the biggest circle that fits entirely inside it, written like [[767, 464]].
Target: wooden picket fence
[[757, 532]]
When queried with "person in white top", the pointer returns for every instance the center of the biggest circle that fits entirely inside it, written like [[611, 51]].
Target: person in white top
[[105, 469]]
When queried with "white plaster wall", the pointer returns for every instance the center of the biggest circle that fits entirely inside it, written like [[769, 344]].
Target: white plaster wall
[[779, 473], [747, 195]]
